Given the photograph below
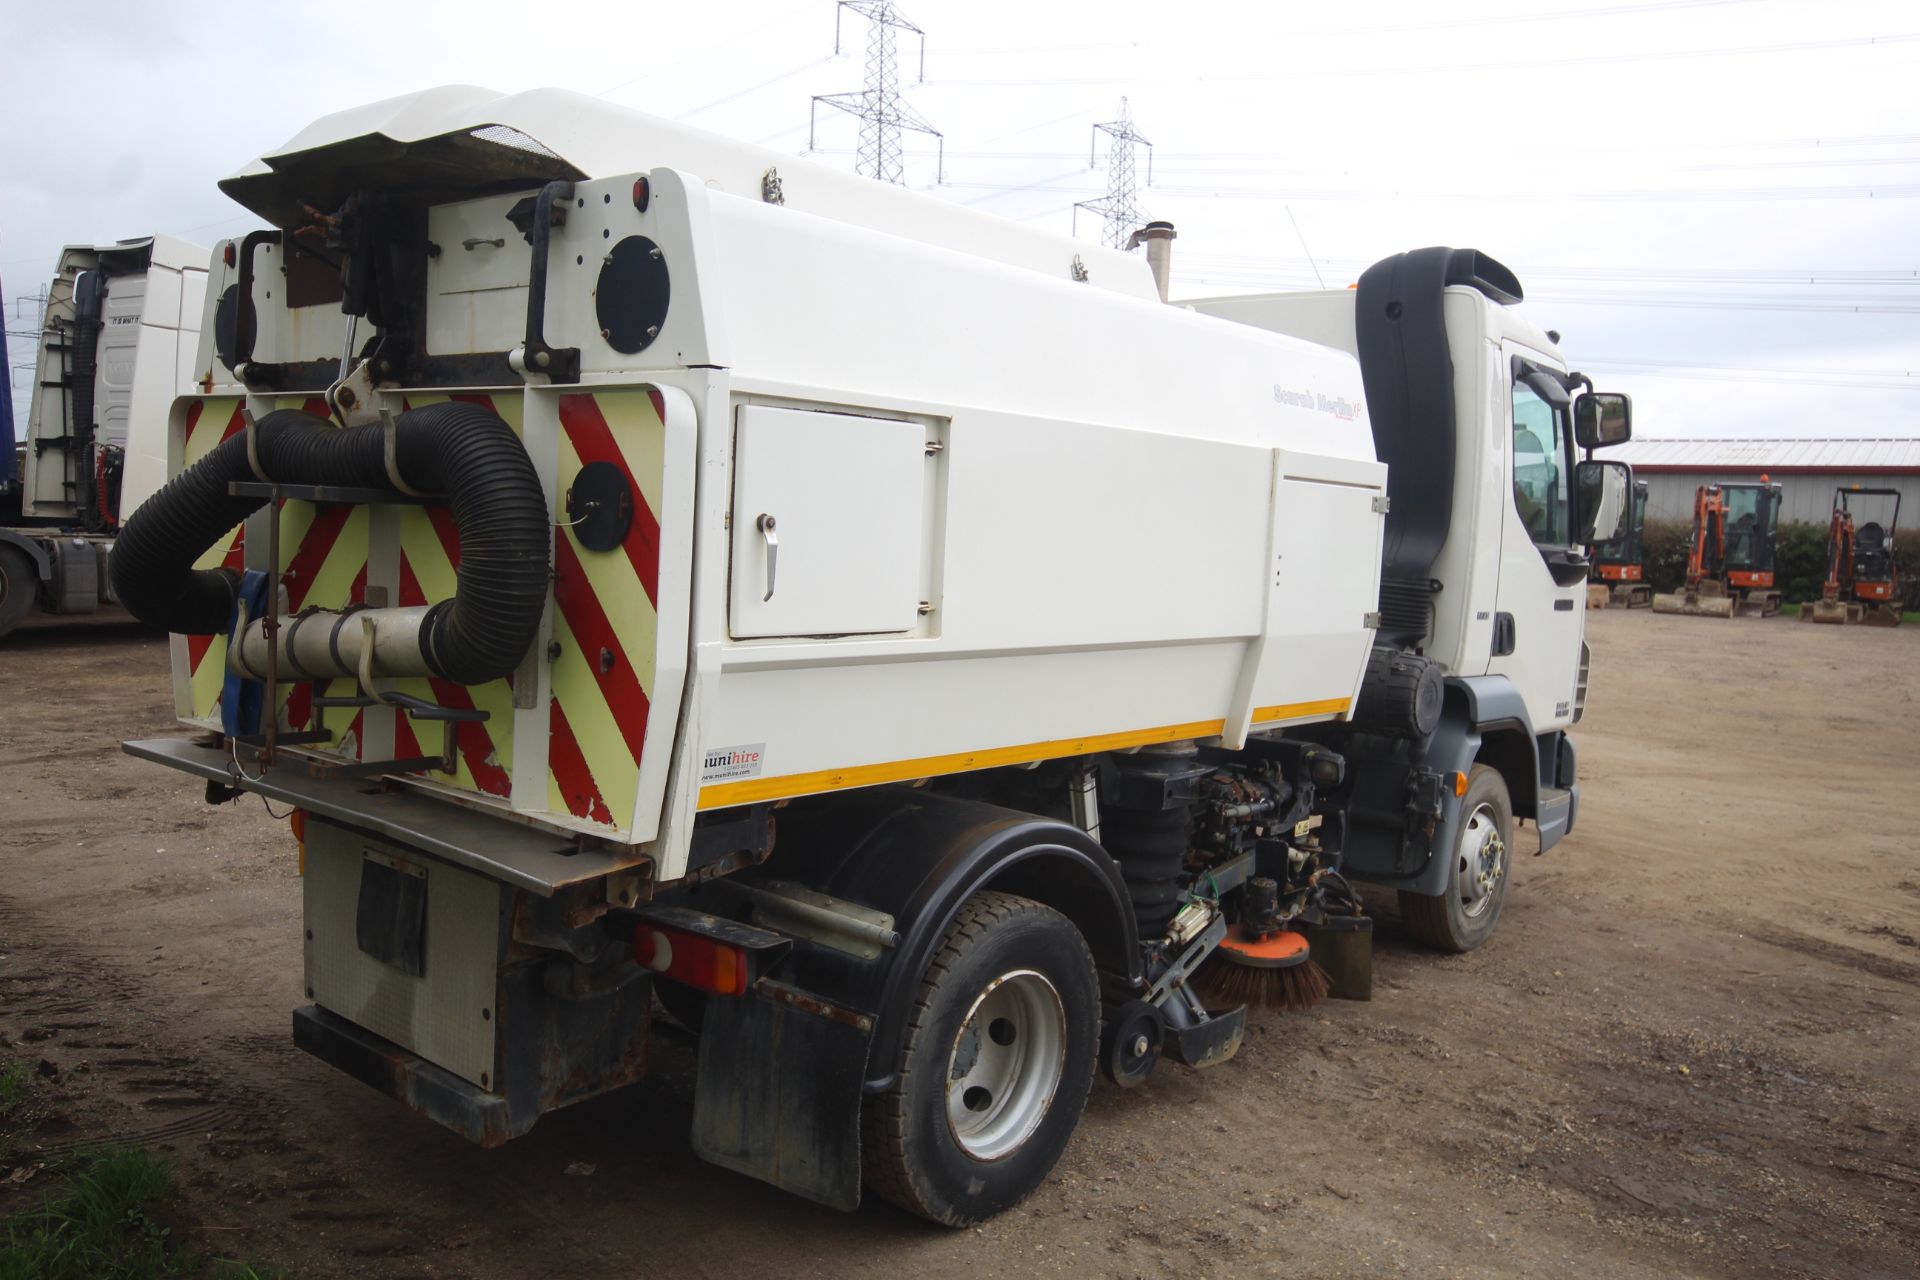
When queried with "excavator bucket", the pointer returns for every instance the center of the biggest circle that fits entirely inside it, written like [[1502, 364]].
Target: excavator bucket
[[1833, 612], [1694, 603], [1881, 615]]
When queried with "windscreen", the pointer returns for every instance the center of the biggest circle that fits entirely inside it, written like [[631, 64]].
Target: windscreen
[[1750, 510], [1625, 549]]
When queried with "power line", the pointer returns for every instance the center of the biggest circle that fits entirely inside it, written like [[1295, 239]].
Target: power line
[[1510, 19], [1295, 74], [1634, 274], [1850, 380], [1836, 162], [1037, 48], [1038, 184], [1263, 162], [1847, 191], [769, 82], [786, 16]]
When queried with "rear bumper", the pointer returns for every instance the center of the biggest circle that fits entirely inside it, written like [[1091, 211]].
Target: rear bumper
[[480, 1117]]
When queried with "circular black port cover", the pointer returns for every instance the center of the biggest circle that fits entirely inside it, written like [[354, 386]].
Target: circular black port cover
[[600, 506], [227, 332], [631, 298]]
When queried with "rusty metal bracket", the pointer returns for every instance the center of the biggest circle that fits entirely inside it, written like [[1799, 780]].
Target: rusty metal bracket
[[629, 888], [807, 1002]]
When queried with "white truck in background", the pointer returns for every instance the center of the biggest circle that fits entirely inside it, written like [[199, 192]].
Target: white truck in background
[[116, 347], [894, 638]]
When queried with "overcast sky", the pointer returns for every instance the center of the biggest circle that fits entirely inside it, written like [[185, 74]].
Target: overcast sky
[[1716, 202]]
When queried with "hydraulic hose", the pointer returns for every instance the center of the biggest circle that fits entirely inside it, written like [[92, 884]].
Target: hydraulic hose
[[457, 449]]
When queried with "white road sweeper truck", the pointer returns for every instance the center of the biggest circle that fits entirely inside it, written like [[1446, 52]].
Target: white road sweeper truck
[[895, 639], [114, 346]]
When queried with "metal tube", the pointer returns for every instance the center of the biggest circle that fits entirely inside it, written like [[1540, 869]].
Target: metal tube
[[1159, 237], [327, 644], [824, 918]]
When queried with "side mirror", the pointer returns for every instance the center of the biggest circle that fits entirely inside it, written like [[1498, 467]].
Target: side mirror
[[1606, 500], [1601, 418]]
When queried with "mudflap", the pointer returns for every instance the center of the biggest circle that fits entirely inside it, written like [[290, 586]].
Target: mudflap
[[778, 1092]]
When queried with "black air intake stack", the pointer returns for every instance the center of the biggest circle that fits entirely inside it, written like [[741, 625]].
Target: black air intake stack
[[460, 450], [1407, 368]]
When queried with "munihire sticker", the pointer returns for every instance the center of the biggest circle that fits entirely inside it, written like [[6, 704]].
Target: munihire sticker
[[722, 764]]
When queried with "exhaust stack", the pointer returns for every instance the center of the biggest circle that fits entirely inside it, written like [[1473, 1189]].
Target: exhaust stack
[[1158, 237]]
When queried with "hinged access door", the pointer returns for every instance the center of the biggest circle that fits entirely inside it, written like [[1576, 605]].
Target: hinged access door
[[827, 523]]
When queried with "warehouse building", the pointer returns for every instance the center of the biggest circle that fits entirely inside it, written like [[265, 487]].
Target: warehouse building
[[1807, 471]]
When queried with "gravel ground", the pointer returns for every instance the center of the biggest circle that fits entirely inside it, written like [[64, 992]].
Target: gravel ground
[[1687, 1052]]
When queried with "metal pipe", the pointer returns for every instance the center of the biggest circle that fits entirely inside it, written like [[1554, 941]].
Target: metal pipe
[[329, 644], [1159, 238], [774, 903]]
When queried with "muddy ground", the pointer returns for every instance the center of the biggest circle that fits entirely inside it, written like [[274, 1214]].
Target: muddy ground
[[1689, 1051]]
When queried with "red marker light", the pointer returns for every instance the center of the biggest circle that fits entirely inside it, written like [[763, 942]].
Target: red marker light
[[642, 192], [691, 959], [227, 255]]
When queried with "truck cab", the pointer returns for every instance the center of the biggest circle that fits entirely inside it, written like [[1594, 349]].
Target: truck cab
[[122, 321], [1475, 409]]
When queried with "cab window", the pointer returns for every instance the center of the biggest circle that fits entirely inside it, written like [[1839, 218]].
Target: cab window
[[1539, 467]]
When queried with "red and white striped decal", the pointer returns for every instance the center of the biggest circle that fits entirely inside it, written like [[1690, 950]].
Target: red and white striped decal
[[604, 618], [209, 422], [429, 564], [605, 606]]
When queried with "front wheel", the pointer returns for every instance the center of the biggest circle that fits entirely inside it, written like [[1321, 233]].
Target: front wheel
[[1462, 915], [994, 1068]]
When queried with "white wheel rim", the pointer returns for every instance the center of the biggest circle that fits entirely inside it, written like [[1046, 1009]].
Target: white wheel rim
[[1481, 862], [1006, 1064]]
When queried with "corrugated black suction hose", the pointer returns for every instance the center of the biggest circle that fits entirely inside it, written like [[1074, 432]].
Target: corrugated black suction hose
[[458, 449]]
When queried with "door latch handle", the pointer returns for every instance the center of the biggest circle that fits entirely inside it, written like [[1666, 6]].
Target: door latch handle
[[765, 525]]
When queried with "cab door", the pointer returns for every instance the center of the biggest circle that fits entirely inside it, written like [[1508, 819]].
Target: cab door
[[1539, 623]]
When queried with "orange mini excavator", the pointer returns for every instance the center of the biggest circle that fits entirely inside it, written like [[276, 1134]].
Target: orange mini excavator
[[1863, 582], [1619, 570], [1730, 557]]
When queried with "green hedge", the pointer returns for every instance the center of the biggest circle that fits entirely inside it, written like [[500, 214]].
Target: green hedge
[[1800, 560]]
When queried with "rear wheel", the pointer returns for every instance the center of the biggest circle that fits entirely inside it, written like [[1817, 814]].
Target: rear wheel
[[1463, 914], [19, 585], [995, 1066]]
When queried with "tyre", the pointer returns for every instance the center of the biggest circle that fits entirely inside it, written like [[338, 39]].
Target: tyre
[[19, 586], [994, 1067], [1463, 914]]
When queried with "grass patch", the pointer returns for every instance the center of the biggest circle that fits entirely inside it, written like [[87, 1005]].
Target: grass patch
[[110, 1219], [13, 1087], [100, 1224]]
